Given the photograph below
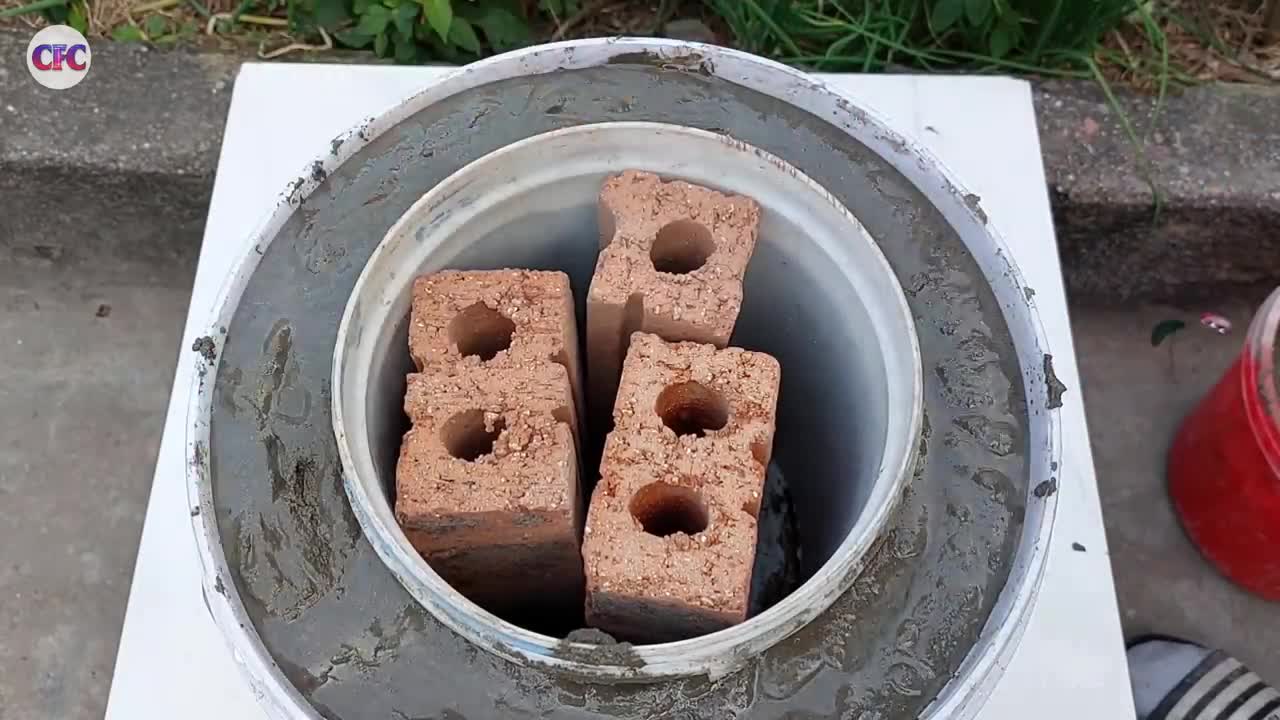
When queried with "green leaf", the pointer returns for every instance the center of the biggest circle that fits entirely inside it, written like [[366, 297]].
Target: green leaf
[[330, 13], [1164, 329], [359, 7], [439, 16], [155, 25], [353, 38], [406, 49], [76, 18], [977, 11], [464, 36], [404, 17], [1001, 41], [126, 33], [57, 14], [380, 45], [374, 20], [435, 47], [946, 13], [503, 29]]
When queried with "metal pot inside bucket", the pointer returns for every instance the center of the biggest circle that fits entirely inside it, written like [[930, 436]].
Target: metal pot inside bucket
[[819, 296]]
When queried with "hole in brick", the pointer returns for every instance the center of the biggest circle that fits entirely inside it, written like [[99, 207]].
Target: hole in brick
[[480, 330], [691, 408], [562, 414], [664, 509], [681, 247], [465, 436]]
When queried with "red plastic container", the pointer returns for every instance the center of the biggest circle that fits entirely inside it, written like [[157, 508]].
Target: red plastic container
[[1224, 466]]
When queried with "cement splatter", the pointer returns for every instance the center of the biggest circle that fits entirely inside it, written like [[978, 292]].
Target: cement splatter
[[1053, 384], [974, 202], [592, 646], [205, 347], [1046, 488]]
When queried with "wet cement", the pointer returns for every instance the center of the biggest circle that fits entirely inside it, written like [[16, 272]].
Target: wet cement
[[348, 636]]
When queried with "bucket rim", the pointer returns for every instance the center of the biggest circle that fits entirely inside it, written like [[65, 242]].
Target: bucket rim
[[1258, 380]]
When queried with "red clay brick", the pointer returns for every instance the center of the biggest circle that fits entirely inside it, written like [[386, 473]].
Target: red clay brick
[[672, 262], [496, 319], [487, 484], [670, 535]]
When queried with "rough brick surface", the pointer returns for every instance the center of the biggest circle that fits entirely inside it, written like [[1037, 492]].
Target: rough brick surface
[[672, 262], [495, 318], [487, 486], [670, 535]]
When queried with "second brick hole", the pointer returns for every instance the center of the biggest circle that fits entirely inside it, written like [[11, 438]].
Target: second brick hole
[[468, 437], [681, 247], [691, 408], [664, 509]]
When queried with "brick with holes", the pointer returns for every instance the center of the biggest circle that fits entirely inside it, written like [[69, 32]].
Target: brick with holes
[[673, 256], [495, 319], [487, 483], [670, 536]]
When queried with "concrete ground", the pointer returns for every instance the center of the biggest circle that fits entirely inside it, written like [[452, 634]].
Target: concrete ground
[[87, 350], [82, 398], [1135, 397], [93, 294]]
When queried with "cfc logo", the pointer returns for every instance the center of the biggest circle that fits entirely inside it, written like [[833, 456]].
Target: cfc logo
[[58, 57]]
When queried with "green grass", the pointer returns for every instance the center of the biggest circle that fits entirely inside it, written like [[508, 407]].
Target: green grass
[[1046, 37]]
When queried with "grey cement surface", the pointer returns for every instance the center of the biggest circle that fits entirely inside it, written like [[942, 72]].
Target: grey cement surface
[[82, 400], [1136, 396], [138, 110], [1212, 158]]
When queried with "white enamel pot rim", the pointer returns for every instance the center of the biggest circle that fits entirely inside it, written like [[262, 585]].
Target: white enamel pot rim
[[998, 641], [501, 180]]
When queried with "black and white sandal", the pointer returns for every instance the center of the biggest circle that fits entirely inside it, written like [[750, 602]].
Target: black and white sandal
[[1177, 680]]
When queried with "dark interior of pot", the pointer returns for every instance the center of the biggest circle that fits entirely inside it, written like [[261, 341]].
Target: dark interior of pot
[[800, 306]]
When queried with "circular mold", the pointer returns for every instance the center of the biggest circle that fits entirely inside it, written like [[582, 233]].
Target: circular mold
[[851, 371], [322, 628]]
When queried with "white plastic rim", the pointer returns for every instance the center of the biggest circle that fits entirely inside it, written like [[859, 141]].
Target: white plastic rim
[[567, 165], [979, 674]]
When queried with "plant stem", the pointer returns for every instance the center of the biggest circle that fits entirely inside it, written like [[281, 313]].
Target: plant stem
[[199, 7], [1273, 17], [153, 6], [33, 7], [1140, 152], [764, 17]]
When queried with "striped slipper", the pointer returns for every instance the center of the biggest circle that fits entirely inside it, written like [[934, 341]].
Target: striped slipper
[[1177, 680]]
